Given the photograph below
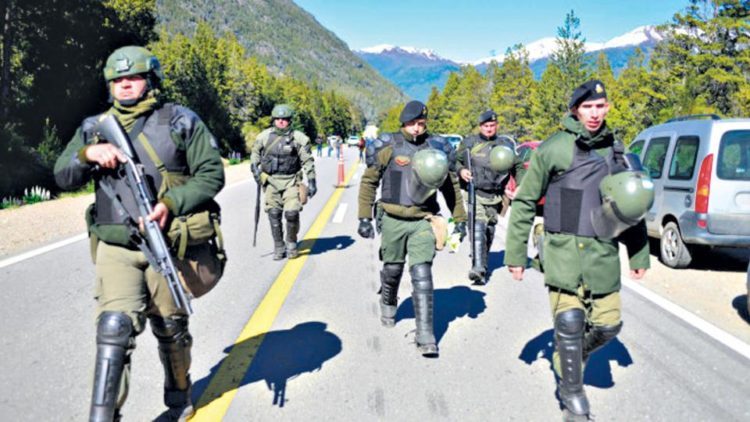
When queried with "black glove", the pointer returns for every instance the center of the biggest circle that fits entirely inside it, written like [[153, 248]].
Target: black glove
[[365, 228], [256, 172], [460, 228], [312, 188]]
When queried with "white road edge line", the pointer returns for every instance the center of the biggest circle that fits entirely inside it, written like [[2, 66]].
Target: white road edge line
[[340, 212], [36, 252], [709, 329]]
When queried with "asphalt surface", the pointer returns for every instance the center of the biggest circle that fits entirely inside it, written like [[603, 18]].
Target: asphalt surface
[[325, 355]]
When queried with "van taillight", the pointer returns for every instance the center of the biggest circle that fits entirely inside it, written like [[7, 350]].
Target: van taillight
[[703, 189]]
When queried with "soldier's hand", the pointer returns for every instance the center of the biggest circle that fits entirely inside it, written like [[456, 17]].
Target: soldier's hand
[[637, 274], [105, 155], [160, 213], [256, 172], [460, 229], [365, 228], [312, 188], [465, 175], [511, 193], [516, 272]]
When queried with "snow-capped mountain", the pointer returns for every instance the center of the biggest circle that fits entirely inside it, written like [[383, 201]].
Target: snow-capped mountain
[[417, 70]]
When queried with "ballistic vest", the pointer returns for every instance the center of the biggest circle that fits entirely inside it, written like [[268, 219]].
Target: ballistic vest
[[573, 194], [280, 155], [399, 172]]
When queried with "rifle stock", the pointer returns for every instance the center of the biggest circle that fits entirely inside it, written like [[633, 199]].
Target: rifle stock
[[472, 204], [151, 241]]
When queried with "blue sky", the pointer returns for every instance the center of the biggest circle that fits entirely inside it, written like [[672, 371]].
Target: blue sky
[[471, 29]]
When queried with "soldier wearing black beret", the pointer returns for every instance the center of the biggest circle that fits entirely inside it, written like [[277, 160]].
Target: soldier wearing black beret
[[581, 268], [489, 169], [413, 166]]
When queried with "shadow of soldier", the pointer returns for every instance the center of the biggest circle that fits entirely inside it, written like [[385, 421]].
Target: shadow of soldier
[[450, 304], [324, 244], [275, 358], [740, 305], [598, 371], [495, 260]]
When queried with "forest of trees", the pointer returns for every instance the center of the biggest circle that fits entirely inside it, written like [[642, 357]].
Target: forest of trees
[[702, 67], [52, 53]]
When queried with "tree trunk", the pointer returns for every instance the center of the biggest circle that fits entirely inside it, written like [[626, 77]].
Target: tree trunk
[[6, 12]]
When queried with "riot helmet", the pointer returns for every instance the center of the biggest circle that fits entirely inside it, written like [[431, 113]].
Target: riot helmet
[[501, 158], [626, 198], [430, 168]]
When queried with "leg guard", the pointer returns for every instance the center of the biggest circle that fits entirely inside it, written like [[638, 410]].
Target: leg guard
[[277, 231], [175, 343], [114, 335], [569, 326], [479, 260], [292, 228], [490, 236], [390, 277], [597, 337], [422, 296]]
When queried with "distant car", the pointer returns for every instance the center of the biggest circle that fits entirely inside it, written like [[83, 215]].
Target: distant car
[[453, 139], [333, 139], [700, 166], [353, 141]]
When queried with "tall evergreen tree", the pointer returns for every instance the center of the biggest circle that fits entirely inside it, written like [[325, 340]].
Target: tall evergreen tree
[[513, 87]]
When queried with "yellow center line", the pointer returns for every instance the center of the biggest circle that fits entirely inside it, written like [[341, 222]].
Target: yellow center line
[[215, 400]]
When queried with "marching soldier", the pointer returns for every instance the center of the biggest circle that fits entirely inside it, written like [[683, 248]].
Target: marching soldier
[[595, 196], [493, 161], [279, 157], [412, 166], [181, 161]]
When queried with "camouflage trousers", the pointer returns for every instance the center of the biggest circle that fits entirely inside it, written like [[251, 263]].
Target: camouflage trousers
[[282, 192]]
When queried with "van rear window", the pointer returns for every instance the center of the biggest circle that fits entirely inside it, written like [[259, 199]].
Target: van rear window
[[734, 156]]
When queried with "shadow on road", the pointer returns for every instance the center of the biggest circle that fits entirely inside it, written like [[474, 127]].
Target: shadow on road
[[324, 244], [450, 304], [713, 259], [276, 358], [495, 260], [598, 371], [740, 305]]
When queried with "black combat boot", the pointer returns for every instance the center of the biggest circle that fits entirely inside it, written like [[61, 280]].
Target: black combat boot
[[479, 260], [175, 343], [292, 228], [422, 297], [597, 337], [277, 232], [569, 327], [390, 277], [114, 342]]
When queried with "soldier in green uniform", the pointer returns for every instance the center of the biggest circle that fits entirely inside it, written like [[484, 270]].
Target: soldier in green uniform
[[412, 166], [580, 258], [279, 157], [493, 160], [181, 162]]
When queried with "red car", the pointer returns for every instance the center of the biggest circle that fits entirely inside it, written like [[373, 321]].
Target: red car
[[525, 151]]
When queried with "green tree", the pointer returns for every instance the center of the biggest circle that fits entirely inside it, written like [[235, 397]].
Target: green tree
[[513, 87]]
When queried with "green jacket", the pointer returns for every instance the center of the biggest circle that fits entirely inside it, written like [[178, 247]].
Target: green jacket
[[303, 147], [197, 161], [517, 171], [569, 260], [371, 181]]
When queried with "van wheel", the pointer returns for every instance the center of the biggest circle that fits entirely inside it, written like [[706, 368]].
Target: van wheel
[[674, 252]]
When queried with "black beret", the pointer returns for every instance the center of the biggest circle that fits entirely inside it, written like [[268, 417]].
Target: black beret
[[590, 90], [487, 116], [413, 110]]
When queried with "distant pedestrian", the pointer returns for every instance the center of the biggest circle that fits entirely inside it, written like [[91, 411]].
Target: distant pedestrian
[[361, 145], [319, 146], [331, 144]]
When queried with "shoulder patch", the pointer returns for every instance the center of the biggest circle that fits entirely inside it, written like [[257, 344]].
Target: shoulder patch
[[402, 160]]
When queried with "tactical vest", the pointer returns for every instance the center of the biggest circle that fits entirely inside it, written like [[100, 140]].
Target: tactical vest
[[157, 130], [399, 172], [487, 182], [280, 155], [573, 194]]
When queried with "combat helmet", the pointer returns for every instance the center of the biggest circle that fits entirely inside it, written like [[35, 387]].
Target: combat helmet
[[282, 111], [132, 60]]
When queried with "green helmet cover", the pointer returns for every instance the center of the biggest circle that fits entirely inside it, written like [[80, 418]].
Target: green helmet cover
[[282, 111], [501, 158], [431, 167], [631, 192], [131, 60]]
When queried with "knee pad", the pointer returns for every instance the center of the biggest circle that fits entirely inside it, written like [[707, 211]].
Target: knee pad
[[171, 330], [291, 216], [570, 323], [421, 276], [393, 272], [114, 328], [599, 335], [275, 213]]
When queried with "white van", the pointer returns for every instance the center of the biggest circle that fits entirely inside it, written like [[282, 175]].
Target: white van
[[700, 166]]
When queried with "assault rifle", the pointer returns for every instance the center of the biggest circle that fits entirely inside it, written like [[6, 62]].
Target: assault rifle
[[472, 204], [151, 242]]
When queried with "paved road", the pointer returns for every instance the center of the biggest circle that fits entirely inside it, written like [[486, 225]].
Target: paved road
[[324, 355]]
